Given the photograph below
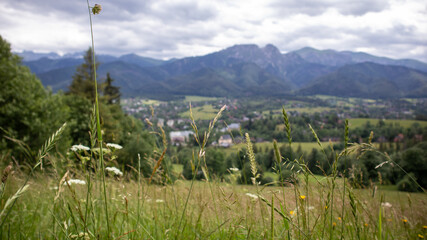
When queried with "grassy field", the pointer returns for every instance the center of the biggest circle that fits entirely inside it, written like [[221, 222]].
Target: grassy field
[[205, 112], [278, 112], [199, 99], [150, 102], [210, 210], [177, 168], [359, 122], [310, 110], [305, 146]]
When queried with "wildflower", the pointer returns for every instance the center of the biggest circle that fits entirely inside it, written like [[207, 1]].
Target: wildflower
[[302, 197], [77, 148], [424, 227], [420, 236], [386, 204], [114, 146], [404, 220], [339, 218], [326, 207], [292, 213], [160, 201], [310, 208], [75, 181], [234, 169], [96, 9], [252, 196], [334, 224], [366, 225], [114, 170]]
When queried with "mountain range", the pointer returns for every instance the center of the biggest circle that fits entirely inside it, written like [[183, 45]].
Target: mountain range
[[246, 70]]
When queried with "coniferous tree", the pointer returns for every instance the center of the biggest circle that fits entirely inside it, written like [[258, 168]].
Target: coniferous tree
[[111, 93], [83, 80]]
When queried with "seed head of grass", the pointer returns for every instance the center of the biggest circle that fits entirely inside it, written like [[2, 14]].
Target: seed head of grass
[[252, 160]]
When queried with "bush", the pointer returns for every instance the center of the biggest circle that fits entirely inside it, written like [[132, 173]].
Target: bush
[[407, 185], [286, 177], [267, 180]]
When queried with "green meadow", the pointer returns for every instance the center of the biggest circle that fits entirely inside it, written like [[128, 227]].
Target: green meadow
[[359, 122], [205, 112]]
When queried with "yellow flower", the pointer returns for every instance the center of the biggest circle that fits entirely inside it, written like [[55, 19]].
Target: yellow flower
[[302, 197], [366, 225], [326, 207], [292, 213], [404, 220], [334, 224], [425, 227], [420, 236], [339, 218]]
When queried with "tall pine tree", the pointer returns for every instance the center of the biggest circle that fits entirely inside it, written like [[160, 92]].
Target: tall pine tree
[[83, 80], [111, 93]]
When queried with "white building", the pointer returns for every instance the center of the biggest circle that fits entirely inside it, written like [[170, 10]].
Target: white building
[[180, 137]]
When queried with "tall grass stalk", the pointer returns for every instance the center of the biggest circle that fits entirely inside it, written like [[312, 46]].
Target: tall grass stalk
[[98, 122]]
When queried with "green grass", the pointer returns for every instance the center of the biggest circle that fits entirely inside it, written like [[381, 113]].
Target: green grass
[[199, 99], [359, 122], [205, 112], [150, 102], [216, 211], [310, 109], [278, 112], [305, 146], [177, 168]]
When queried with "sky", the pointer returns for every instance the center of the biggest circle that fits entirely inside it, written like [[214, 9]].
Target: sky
[[166, 29]]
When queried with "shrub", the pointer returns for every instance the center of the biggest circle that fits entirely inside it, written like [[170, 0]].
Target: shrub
[[407, 185]]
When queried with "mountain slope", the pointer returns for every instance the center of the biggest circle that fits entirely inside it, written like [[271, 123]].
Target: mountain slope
[[335, 58], [370, 80], [249, 70], [240, 79]]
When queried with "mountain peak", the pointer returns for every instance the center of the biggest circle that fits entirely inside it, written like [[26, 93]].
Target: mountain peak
[[270, 50]]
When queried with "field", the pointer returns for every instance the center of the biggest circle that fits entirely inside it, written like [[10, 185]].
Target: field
[[205, 112], [211, 210], [199, 99], [305, 146], [359, 122], [278, 112]]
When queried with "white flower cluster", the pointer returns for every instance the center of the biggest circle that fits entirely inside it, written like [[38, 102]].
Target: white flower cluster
[[160, 201], [75, 181], [386, 204], [76, 148], [252, 195], [114, 170], [113, 145], [234, 169]]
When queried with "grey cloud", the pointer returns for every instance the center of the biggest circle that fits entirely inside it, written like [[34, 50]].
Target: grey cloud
[[316, 7], [185, 11], [48, 6]]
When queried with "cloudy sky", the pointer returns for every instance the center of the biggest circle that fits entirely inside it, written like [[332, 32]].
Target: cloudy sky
[[179, 28]]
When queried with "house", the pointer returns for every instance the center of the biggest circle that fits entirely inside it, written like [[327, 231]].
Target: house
[[180, 137], [160, 122], [232, 126], [225, 141], [170, 123]]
